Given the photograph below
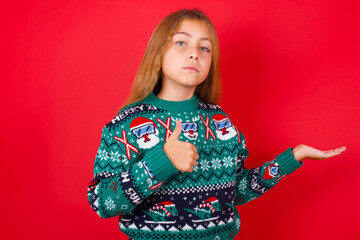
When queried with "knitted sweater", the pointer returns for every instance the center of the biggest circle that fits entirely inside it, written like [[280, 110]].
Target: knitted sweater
[[134, 178]]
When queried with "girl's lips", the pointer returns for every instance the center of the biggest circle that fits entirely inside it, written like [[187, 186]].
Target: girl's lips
[[191, 69]]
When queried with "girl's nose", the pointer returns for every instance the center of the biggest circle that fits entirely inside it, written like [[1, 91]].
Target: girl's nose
[[193, 56]]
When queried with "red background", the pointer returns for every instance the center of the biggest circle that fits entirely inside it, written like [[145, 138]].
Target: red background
[[290, 75]]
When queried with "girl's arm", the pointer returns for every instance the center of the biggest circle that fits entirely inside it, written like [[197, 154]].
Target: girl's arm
[[302, 152], [122, 179], [250, 184]]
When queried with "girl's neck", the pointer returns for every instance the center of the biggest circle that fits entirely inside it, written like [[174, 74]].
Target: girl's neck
[[179, 94]]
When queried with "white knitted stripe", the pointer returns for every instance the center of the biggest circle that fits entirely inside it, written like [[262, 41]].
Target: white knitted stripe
[[197, 189]]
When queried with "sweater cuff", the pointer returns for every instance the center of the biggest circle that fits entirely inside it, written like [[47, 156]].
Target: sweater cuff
[[160, 164], [287, 162]]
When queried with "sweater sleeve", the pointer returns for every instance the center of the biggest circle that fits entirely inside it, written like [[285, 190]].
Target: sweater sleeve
[[251, 184], [122, 180]]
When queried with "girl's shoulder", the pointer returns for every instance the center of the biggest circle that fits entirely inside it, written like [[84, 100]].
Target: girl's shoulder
[[130, 112], [212, 109]]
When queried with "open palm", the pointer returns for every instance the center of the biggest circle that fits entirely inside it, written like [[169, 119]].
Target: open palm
[[303, 151]]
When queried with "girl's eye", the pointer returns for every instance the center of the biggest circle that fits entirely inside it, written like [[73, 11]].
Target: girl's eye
[[205, 49], [181, 43]]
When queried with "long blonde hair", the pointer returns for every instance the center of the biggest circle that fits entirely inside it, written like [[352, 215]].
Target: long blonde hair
[[148, 77]]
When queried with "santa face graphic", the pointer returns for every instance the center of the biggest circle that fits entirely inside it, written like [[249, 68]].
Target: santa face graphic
[[224, 127], [271, 171], [145, 131], [190, 130]]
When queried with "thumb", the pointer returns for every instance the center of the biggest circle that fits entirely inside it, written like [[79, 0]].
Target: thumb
[[177, 131]]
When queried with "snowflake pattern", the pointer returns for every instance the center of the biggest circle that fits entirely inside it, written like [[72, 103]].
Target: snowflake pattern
[[115, 156], [243, 145], [102, 155], [196, 167], [237, 222], [228, 162], [110, 204], [242, 185], [204, 165], [216, 163]]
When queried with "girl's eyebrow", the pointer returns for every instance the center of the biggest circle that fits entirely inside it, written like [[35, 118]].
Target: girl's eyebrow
[[189, 35]]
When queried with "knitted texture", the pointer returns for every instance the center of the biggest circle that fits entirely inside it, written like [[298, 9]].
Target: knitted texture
[[134, 178]]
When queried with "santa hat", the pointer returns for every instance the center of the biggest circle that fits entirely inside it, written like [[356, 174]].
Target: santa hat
[[166, 203], [219, 117], [140, 121], [212, 200]]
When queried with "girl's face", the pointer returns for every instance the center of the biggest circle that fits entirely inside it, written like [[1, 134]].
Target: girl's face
[[187, 62]]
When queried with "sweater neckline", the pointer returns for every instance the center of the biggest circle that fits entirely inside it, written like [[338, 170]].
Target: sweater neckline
[[190, 104]]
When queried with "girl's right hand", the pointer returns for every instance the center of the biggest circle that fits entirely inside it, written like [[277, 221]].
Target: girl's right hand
[[303, 151], [182, 154]]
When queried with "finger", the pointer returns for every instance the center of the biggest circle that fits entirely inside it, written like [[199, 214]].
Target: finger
[[341, 149], [196, 156], [177, 131], [331, 153], [336, 150], [193, 147], [194, 163]]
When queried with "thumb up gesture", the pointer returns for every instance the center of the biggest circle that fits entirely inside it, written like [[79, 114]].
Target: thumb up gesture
[[182, 154]]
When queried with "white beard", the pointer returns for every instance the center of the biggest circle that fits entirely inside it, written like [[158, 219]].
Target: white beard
[[231, 133], [154, 139], [191, 137]]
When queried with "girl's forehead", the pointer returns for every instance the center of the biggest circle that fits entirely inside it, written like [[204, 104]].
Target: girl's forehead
[[191, 28]]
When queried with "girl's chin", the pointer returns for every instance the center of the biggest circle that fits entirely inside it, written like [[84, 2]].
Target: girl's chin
[[191, 81], [186, 81]]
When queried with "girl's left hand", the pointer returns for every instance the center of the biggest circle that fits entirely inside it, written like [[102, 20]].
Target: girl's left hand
[[302, 152]]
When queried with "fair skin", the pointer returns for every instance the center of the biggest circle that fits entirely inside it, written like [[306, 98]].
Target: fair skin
[[191, 47]]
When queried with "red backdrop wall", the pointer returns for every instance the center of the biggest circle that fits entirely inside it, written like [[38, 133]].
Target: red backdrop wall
[[290, 75]]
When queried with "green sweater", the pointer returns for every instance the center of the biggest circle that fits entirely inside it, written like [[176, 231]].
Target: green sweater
[[134, 178]]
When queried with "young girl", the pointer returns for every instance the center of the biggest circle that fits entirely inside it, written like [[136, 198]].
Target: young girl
[[171, 163]]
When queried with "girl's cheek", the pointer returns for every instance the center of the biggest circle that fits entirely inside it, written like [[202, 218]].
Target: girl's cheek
[[180, 48], [208, 57]]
